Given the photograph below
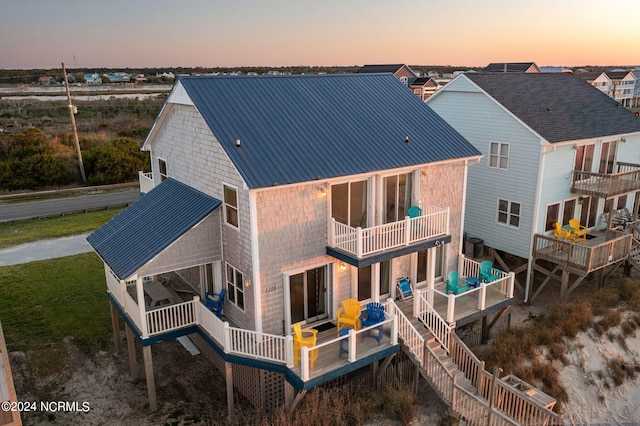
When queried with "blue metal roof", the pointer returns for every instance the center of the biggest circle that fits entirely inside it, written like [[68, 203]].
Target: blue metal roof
[[307, 127], [148, 226]]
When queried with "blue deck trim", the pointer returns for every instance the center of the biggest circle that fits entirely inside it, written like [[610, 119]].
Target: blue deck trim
[[388, 254]]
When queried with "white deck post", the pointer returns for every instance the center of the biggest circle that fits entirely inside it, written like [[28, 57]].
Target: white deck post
[[227, 337], [332, 231], [142, 309], [358, 242], [510, 281], [394, 330], [196, 309], [482, 299], [352, 345], [407, 230], [304, 363], [289, 350], [451, 307]]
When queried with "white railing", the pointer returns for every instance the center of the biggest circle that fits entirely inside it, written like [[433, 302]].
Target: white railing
[[440, 329], [171, 317], [146, 181], [256, 345], [408, 333], [365, 241]]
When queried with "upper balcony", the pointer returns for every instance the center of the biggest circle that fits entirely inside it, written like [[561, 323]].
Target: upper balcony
[[607, 185], [146, 181], [359, 243]]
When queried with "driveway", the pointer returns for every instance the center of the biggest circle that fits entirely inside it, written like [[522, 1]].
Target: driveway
[[45, 249]]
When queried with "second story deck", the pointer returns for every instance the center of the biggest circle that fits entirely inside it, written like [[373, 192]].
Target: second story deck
[[607, 185]]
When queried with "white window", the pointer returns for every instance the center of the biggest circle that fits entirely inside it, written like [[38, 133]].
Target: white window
[[231, 205], [508, 213], [235, 291], [499, 155], [162, 169]]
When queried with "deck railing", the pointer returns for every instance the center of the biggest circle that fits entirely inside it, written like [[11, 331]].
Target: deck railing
[[580, 256], [362, 242], [146, 181], [172, 317], [440, 329], [627, 179]]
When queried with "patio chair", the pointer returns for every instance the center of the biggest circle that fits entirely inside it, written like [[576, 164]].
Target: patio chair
[[561, 233], [486, 273], [454, 284], [215, 301], [579, 232], [413, 212], [349, 315], [306, 337], [404, 288], [372, 316]]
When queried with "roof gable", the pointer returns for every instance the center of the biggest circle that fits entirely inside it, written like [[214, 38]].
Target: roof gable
[[141, 231], [287, 129], [512, 67], [559, 107]]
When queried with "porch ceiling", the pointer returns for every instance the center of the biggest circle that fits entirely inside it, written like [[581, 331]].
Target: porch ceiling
[[143, 230]]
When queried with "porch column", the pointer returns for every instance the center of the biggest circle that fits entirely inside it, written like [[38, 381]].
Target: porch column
[[151, 383], [142, 309], [228, 376], [115, 325], [131, 349]]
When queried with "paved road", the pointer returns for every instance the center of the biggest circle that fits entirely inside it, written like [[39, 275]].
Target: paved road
[[45, 249], [58, 206]]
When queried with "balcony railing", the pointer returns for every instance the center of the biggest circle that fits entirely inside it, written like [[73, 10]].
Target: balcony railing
[[361, 242], [583, 258], [625, 180], [146, 181]]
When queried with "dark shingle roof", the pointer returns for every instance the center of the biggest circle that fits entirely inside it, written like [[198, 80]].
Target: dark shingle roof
[[148, 226], [508, 66], [302, 128], [559, 107], [381, 68]]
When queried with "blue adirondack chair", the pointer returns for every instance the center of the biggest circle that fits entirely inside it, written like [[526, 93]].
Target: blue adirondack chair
[[404, 289], [454, 284], [372, 316], [215, 301], [486, 273]]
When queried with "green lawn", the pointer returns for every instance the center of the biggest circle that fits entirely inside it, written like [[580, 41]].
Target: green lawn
[[25, 231], [42, 302]]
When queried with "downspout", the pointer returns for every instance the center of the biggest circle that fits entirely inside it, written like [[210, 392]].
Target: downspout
[[468, 163], [255, 261], [536, 207]]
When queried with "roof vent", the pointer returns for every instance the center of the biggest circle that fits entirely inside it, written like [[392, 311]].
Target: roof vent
[[406, 139], [238, 145]]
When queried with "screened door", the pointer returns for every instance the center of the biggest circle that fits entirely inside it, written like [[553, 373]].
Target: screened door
[[308, 295]]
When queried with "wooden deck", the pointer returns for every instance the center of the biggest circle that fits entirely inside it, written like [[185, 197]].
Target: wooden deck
[[596, 253], [625, 181]]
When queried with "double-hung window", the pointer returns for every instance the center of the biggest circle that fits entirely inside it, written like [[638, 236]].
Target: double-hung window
[[508, 213], [231, 206], [162, 169], [499, 155], [235, 281]]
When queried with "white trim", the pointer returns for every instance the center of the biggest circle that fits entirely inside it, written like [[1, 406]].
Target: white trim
[[255, 261], [224, 205], [235, 284], [508, 213], [499, 155]]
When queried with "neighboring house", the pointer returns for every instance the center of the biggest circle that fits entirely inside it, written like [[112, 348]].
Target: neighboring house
[[45, 79], [509, 67], [93, 78], [599, 80], [293, 203], [556, 69], [402, 72], [548, 140], [424, 87], [623, 86], [118, 77], [636, 90]]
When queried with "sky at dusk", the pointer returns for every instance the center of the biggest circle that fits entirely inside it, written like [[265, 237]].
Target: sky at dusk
[[234, 33]]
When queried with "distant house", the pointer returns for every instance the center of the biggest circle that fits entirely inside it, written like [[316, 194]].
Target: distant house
[[555, 149], [512, 67], [165, 74], [424, 87], [618, 85], [45, 79], [118, 77], [636, 90], [402, 72], [556, 69], [93, 79]]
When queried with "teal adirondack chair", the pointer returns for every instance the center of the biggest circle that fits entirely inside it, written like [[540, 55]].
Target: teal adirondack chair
[[487, 272], [454, 284]]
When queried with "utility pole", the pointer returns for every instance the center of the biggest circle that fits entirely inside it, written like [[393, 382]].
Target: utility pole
[[72, 112]]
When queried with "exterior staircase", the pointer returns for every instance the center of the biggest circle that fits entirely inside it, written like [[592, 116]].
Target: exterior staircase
[[634, 252], [458, 376]]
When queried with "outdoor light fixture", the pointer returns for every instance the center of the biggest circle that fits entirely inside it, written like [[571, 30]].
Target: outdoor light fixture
[[322, 190], [343, 266]]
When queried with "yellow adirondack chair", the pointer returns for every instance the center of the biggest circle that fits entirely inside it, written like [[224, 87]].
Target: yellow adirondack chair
[[349, 315], [579, 232], [561, 233], [302, 338]]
